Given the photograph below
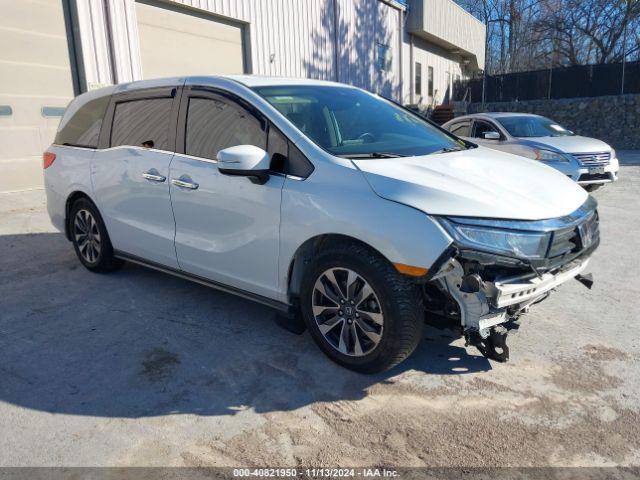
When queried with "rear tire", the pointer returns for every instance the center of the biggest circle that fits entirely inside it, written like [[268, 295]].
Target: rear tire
[[90, 238], [362, 331]]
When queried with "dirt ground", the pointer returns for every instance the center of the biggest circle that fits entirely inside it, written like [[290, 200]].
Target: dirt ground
[[141, 369]]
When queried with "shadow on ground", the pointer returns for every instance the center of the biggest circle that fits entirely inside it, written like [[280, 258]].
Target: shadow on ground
[[140, 343], [629, 158]]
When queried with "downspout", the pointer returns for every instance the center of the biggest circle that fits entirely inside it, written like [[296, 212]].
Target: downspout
[[110, 44], [400, 44], [336, 62], [74, 44], [411, 72]]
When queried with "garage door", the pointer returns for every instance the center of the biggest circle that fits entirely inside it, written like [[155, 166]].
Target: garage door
[[179, 41], [35, 76]]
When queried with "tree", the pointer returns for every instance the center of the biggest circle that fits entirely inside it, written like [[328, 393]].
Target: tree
[[534, 34]]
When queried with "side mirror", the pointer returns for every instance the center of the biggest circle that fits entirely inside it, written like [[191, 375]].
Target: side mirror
[[245, 161], [491, 136]]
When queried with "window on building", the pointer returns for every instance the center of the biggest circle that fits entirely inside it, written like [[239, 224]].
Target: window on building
[[418, 79], [214, 124], [142, 123], [82, 129], [383, 57], [430, 82]]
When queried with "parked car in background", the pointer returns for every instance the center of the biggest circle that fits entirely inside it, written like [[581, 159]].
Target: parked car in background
[[588, 161], [320, 200]]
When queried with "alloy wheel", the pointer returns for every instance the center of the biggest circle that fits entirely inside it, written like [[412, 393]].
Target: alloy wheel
[[347, 312], [87, 235]]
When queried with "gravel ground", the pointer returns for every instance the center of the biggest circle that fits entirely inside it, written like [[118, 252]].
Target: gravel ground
[[141, 369]]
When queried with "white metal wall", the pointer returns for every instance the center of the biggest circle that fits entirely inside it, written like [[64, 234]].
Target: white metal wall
[[445, 65], [448, 22], [293, 38]]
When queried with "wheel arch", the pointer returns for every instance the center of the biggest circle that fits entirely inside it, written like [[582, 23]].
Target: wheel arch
[[71, 199], [310, 248]]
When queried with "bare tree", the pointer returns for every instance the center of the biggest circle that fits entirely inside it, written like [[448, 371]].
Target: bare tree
[[533, 34]]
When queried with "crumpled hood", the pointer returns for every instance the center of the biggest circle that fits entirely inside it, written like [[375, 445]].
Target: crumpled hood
[[478, 182], [573, 144]]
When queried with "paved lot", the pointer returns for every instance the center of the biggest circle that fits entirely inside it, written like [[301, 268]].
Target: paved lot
[[138, 368]]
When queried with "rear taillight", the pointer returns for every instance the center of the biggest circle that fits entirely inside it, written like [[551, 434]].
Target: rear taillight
[[47, 159]]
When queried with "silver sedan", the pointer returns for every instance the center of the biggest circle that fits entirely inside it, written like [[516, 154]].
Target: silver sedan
[[588, 161]]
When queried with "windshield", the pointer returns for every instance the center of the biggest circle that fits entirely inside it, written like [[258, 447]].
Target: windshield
[[349, 122], [526, 126]]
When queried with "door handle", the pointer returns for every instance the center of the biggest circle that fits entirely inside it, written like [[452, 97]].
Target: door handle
[[154, 177], [183, 184]]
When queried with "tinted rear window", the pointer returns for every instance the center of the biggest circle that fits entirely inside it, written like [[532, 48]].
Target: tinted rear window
[[142, 123], [83, 128]]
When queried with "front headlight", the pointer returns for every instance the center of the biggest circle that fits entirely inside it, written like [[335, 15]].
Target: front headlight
[[513, 243], [613, 153], [549, 155]]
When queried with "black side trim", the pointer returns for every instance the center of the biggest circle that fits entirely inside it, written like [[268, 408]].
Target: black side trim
[[450, 252], [259, 177], [283, 307]]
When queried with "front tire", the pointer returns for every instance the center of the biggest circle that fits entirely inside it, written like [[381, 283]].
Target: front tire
[[361, 312], [90, 238]]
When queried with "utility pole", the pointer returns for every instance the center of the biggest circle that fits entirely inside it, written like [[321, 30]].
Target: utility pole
[[486, 62], [624, 57]]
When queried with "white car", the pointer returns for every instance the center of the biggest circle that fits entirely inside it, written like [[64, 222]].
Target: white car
[[321, 200], [588, 161]]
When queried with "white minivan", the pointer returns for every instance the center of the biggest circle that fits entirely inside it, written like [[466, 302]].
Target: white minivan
[[326, 202]]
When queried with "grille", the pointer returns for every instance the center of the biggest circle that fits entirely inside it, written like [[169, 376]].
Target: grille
[[593, 159], [589, 232], [564, 241], [576, 239], [594, 176]]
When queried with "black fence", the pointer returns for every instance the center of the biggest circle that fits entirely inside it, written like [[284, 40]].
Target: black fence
[[560, 82]]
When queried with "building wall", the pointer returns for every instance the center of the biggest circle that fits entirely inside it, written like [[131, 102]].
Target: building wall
[[284, 37], [447, 24], [621, 129], [446, 66]]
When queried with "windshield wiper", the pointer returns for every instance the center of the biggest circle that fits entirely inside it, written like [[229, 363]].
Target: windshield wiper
[[447, 150], [372, 155]]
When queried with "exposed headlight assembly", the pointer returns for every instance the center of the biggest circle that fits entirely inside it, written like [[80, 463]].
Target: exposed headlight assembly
[[485, 235], [549, 155]]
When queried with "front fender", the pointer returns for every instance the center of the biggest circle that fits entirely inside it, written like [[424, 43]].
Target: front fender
[[338, 200]]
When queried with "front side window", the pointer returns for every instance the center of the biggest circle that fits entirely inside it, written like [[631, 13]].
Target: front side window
[[142, 123], [530, 126], [347, 121], [481, 128], [215, 123], [82, 128]]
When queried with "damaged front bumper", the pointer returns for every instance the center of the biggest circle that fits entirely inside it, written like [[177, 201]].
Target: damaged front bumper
[[483, 305], [519, 291], [484, 290]]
